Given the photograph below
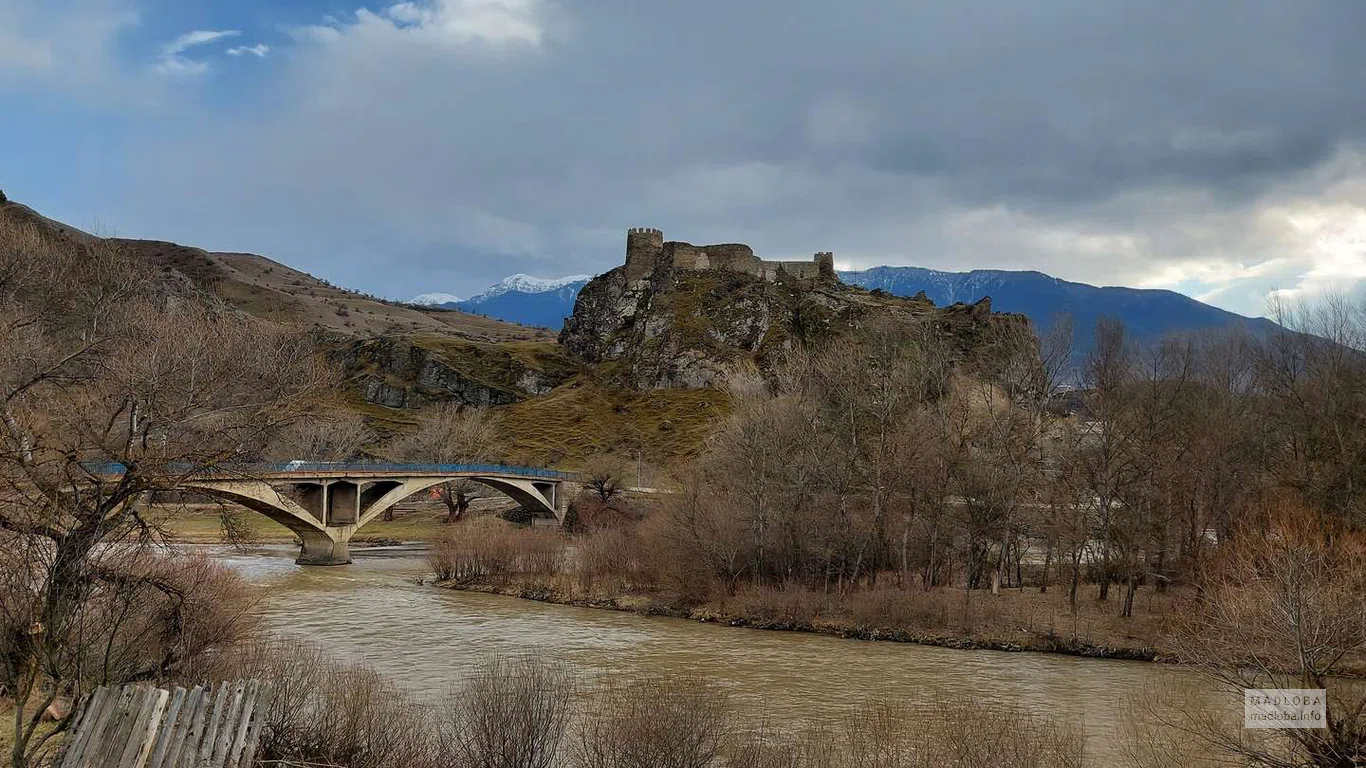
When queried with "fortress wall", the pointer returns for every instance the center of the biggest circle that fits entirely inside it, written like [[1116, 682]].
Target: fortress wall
[[687, 256], [646, 249], [732, 256], [802, 270]]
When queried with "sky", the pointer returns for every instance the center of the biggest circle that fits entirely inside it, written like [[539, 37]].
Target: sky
[[1215, 148]]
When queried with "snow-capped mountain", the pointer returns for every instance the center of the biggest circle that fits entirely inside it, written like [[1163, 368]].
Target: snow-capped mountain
[[520, 283], [435, 299], [524, 299]]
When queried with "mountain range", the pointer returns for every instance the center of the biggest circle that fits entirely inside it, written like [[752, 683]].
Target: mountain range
[[1148, 314], [535, 301]]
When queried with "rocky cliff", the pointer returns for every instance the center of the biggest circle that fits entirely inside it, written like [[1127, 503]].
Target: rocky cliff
[[413, 370], [677, 328]]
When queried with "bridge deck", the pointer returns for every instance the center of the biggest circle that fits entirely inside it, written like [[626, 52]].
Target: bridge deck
[[368, 470]]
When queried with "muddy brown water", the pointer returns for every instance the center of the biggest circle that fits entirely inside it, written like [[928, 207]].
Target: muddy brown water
[[427, 639]]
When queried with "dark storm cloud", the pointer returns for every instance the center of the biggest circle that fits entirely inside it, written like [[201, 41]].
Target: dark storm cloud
[[867, 127]]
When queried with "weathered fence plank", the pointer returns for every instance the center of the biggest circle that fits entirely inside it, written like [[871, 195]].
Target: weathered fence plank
[[168, 731], [145, 727]]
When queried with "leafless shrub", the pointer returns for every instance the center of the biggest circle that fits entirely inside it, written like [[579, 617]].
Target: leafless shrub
[[490, 549], [511, 714], [1283, 608], [659, 722], [608, 559], [972, 735], [896, 734], [789, 605], [324, 711], [888, 608]]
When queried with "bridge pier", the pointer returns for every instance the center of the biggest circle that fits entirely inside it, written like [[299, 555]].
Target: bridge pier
[[324, 549]]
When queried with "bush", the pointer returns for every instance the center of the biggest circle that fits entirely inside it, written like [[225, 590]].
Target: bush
[[487, 549], [511, 714], [324, 711], [897, 609], [516, 713], [661, 722], [610, 559]]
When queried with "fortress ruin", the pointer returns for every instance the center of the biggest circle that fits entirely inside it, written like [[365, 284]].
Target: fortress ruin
[[646, 250]]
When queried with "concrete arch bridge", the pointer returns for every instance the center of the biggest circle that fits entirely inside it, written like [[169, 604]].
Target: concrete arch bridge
[[324, 504]]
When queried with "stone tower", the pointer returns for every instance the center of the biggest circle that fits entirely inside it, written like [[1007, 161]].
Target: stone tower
[[643, 249], [825, 265]]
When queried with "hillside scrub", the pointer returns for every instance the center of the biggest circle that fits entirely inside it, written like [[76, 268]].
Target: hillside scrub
[[117, 386]]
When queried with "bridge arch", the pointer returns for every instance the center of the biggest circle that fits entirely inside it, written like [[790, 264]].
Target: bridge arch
[[524, 492], [330, 503]]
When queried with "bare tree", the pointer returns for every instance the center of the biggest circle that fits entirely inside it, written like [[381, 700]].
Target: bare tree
[[335, 436], [1283, 609], [603, 476], [1312, 375], [113, 385], [452, 434]]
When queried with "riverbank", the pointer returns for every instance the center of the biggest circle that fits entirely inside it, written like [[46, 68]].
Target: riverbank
[[1013, 621]]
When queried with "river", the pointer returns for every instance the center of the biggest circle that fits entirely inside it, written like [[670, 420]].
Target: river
[[426, 639]]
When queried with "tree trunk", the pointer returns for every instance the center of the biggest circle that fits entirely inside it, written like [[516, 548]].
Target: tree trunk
[[905, 561], [456, 501], [1076, 583], [1129, 596], [1047, 561]]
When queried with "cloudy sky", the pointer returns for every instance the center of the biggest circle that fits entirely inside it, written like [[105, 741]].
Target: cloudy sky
[[1215, 148]]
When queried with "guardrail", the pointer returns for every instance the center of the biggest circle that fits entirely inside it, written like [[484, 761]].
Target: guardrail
[[317, 467]]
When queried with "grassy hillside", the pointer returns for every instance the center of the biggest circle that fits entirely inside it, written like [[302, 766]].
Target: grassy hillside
[[271, 290], [584, 418]]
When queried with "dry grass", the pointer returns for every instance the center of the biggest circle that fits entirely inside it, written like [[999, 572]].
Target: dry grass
[[7, 731], [497, 364], [582, 419]]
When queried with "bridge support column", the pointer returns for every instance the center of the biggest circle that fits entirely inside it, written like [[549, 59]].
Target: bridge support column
[[324, 549]]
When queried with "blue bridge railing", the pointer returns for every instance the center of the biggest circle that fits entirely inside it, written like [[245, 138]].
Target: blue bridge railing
[[316, 467]]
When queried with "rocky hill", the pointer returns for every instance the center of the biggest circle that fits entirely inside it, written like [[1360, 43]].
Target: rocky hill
[[396, 357], [1148, 314], [678, 327]]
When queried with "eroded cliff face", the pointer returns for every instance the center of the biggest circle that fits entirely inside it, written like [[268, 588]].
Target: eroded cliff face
[[676, 328], [411, 371]]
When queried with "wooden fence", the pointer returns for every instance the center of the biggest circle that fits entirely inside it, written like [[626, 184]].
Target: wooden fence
[[144, 727]]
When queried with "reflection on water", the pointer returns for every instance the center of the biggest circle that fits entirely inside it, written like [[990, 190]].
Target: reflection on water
[[426, 638]]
